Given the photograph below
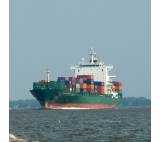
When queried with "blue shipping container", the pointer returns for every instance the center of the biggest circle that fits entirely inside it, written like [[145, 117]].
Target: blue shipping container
[[79, 81], [60, 80], [99, 83], [83, 90], [118, 91], [67, 82], [89, 81]]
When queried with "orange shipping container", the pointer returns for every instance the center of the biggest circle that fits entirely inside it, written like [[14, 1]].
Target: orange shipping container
[[83, 85], [90, 86], [43, 81], [73, 83], [118, 87], [90, 76]]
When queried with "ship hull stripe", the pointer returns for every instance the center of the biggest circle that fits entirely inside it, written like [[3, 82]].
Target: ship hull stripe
[[89, 106]]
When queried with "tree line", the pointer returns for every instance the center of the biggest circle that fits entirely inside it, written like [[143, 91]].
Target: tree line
[[128, 101], [133, 101]]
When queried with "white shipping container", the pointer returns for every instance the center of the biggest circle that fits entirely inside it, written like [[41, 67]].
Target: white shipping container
[[66, 78], [77, 86]]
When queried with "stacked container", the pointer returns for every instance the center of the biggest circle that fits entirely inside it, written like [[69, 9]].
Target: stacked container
[[100, 86], [68, 84], [83, 87], [78, 81], [95, 88], [84, 77], [90, 83], [118, 86], [61, 79], [43, 81], [73, 80]]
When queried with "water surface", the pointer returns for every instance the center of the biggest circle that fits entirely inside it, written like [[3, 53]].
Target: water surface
[[97, 125]]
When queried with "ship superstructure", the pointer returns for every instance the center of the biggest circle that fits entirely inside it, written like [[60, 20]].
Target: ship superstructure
[[98, 69]]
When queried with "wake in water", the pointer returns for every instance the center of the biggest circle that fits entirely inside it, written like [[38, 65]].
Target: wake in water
[[13, 138]]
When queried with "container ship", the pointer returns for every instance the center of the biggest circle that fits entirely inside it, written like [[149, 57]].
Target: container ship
[[91, 87]]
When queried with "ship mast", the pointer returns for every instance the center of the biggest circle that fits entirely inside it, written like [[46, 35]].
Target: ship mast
[[48, 75], [92, 53]]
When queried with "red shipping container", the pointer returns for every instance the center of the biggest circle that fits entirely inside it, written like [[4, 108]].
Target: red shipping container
[[72, 79], [101, 91], [120, 83], [90, 90], [100, 87], [115, 83], [69, 85]]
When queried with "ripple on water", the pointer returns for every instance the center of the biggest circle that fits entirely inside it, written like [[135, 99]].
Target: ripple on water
[[127, 124]]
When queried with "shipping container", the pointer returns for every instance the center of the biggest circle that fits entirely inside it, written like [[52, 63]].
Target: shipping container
[[72, 79], [83, 90], [63, 78], [69, 85], [67, 82], [90, 86], [118, 91], [88, 81], [79, 81], [90, 90], [83, 85], [99, 83], [101, 91], [43, 81], [114, 83], [118, 87], [73, 86], [60, 80], [81, 76], [100, 87], [73, 82], [90, 76], [77, 86], [66, 78], [119, 84]]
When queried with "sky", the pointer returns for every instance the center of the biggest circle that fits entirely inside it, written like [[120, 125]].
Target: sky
[[56, 34]]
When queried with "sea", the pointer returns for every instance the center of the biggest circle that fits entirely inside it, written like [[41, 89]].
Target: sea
[[85, 125]]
